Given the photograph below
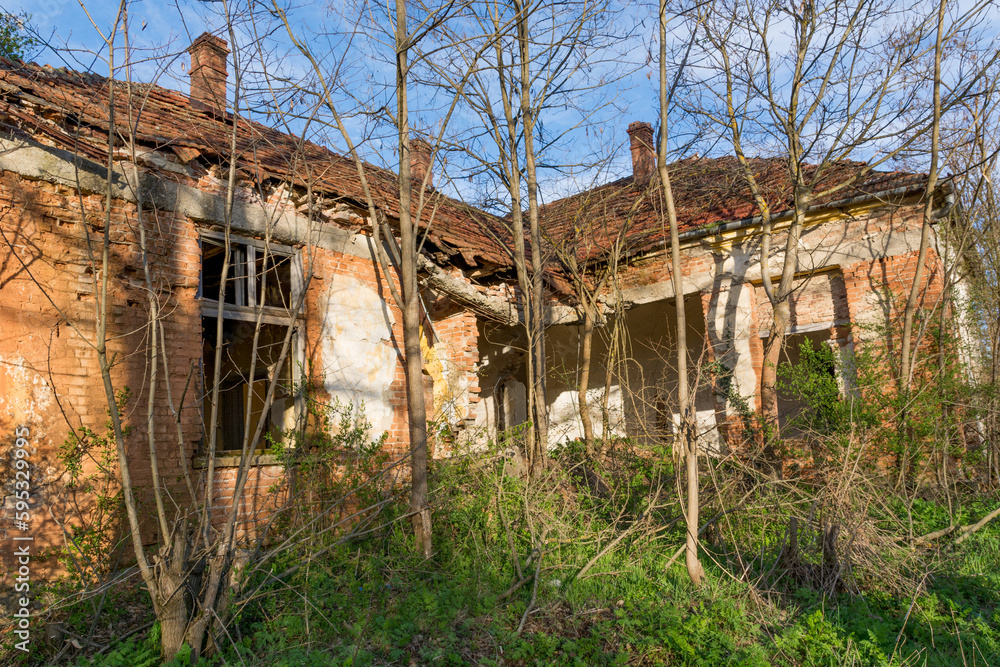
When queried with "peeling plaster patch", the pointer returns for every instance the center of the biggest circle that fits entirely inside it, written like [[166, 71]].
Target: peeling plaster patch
[[616, 414], [25, 396], [970, 351], [564, 417], [709, 440], [730, 325], [744, 257], [448, 389], [871, 316], [358, 367]]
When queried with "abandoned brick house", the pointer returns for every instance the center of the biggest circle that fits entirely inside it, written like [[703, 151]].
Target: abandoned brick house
[[54, 188]]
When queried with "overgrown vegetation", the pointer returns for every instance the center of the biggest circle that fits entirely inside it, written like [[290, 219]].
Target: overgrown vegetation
[[371, 601], [580, 566], [856, 530], [93, 543]]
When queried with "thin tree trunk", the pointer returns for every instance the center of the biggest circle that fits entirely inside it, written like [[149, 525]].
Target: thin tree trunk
[[173, 605], [585, 360], [512, 172], [417, 410], [609, 375], [101, 310], [688, 440], [772, 356], [536, 333], [906, 358]]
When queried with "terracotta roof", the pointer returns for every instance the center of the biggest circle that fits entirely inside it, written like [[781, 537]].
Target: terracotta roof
[[707, 192], [70, 110]]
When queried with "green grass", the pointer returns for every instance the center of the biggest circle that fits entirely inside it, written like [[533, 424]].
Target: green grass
[[373, 602], [377, 605]]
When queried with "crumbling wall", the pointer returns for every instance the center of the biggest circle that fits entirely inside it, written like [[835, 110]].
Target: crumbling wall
[[450, 347], [47, 316], [848, 262], [638, 372], [350, 334]]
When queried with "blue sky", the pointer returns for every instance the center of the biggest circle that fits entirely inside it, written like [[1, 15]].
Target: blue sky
[[160, 32]]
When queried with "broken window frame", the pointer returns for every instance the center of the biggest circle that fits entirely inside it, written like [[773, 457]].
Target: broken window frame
[[242, 266], [244, 252]]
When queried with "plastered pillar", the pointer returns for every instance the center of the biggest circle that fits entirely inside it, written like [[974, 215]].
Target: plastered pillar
[[733, 336]]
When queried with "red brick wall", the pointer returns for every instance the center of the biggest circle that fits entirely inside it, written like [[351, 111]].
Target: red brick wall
[[327, 267], [457, 348], [649, 271], [48, 368], [265, 492], [851, 297], [877, 291], [47, 319], [817, 300]]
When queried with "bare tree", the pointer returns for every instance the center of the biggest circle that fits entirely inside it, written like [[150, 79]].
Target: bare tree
[[969, 150], [417, 206], [538, 58], [906, 342], [188, 606], [688, 432], [591, 270], [410, 305], [843, 89], [195, 571]]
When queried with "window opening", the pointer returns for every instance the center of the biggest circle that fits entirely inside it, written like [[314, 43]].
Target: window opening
[[262, 283], [824, 383]]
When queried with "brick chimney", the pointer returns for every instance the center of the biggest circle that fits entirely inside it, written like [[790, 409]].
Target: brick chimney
[[208, 72], [420, 163], [643, 154]]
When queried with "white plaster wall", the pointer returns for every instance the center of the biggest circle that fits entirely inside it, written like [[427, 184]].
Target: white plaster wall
[[563, 347], [27, 396], [829, 244], [358, 363], [27, 400], [970, 349], [564, 414]]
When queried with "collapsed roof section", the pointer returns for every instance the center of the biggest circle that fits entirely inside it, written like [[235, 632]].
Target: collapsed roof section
[[191, 137], [70, 110]]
